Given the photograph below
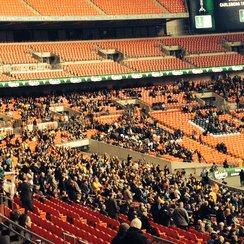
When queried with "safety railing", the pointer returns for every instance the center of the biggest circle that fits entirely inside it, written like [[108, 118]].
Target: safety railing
[[4, 221]]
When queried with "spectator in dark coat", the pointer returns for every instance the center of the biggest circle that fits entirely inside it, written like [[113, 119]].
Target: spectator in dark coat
[[155, 209], [26, 194], [229, 217], [205, 210], [220, 216], [164, 215], [145, 222], [121, 233], [134, 234], [112, 207]]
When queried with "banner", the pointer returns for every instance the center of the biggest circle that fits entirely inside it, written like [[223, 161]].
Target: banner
[[218, 175]]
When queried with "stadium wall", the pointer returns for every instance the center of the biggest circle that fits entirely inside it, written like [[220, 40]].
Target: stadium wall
[[177, 27]]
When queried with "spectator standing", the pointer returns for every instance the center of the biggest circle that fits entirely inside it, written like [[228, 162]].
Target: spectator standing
[[220, 215], [180, 216], [112, 207], [26, 194], [164, 215], [242, 177]]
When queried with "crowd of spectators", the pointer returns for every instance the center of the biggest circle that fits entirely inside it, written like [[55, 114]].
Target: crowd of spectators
[[139, 134], [129, 131], [211, 122], [135, 188], [232, 89], [109, 185]]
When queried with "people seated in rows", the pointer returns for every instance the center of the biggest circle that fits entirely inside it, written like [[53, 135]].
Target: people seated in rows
[[158, 106], [212, 123], [221, 147]]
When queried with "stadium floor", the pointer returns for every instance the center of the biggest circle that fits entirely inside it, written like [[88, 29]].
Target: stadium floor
[[234, 182]]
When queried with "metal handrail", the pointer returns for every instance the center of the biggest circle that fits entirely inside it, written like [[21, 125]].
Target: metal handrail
[[74, 237], [25, 230], [160, 240], [39, 237], [71, 236], [16, 232]]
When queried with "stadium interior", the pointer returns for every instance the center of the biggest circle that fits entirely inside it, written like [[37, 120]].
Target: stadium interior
[[121, 104]]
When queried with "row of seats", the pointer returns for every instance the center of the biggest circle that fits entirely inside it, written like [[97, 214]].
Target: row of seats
[[83, 50], [92, 226], [41, 75], [16, 54], [234, 144], [235, 37], [198, 44], [147, 65], [180, 120], [108, 119], [176, 6], [183, 236], [87, 7], [216, 60], [129, 7], [167, 98], [65, 8], [134, 48], [70, 51], [102, 68], [15, 8], [4, 77], [77, 220]]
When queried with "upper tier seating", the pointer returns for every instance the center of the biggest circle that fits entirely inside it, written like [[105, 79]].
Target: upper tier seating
[[15, 54], [4, 77], [197, 44], [176, 6], [69, 51], [64, 8], [216, 60], [41, 75], [157, 64], [88, 8], [235, 37], [164, 94], [102, 68], [119, 7], [137, 48], [15, 8], [134, 48]]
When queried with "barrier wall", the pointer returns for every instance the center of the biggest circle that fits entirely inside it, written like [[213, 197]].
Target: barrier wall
[[8, 130], [231, 188], [229, 172], [45, 125], [74, 144]]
